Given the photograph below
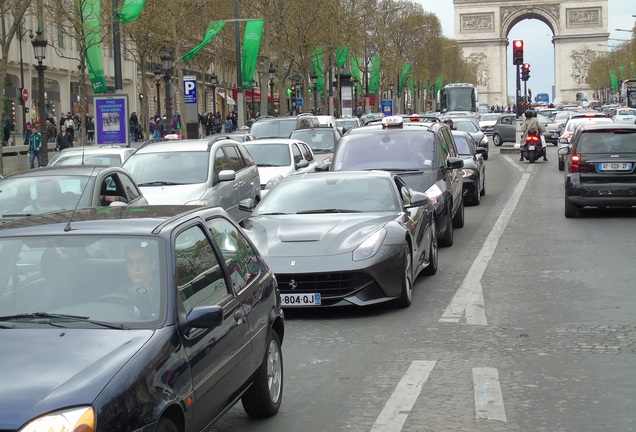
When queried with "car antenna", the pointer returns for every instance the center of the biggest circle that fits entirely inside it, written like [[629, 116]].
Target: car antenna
[[67, 228]]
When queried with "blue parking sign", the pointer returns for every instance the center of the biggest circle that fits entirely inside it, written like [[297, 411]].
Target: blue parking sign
[[387, 107], [190, 89], [299, 102]]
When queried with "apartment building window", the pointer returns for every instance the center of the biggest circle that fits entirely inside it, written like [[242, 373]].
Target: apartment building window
[[61, 43]]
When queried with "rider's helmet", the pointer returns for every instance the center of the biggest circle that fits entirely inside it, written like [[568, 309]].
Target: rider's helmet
[[529, 114]]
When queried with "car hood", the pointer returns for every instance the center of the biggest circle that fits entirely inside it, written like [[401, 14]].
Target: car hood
[[47, 369], [419, 181], [312, 235], [178, 194], [266, 173]]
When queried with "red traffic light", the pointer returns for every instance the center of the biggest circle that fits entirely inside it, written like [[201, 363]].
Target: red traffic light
[[518, 44], [517, 52], [526, 66]]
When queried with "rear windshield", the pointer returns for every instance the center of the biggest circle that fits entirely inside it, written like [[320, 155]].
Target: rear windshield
[[276, 128], [607, 142], [270, 155], [186, 167], [462, 145], [386, 149]]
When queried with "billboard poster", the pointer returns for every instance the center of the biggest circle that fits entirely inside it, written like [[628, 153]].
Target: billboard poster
[[111, 120]]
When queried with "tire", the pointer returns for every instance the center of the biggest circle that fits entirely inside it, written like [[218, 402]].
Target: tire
[[433, 253], [406, 296], [571, 211], [561, 164], [476, 198], [531, 156], [458, 219], [483, 185], [447, 239], [264, 397], [166, 425], [485, 156], [496, 140]]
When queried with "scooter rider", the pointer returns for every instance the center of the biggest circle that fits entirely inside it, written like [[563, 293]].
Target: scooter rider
[[532, 124]]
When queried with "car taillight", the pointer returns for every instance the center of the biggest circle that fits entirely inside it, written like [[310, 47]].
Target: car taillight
[[575, 161], [532, 139]]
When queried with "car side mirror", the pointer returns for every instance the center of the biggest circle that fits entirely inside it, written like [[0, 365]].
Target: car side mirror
[[564, 151], [227, 175], [480, 150], [205, 317], [323, 167], [247, 205], [455, 163], [302, 164]]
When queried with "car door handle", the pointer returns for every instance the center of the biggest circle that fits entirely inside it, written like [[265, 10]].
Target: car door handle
[[239, 315]]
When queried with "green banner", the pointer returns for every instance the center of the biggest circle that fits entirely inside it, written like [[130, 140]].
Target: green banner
[[316, 67], [355, 72], [251, 47], [92, 33], [342, 55], [374, 78], [405, 70], [213, 29], [130, 11], [439, 84], [614, 80]]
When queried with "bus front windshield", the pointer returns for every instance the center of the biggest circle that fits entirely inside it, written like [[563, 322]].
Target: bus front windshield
[[458, 99]]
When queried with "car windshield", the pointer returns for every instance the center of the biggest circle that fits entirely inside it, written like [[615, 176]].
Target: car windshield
[[562, 115], [270, 155], [29, 195], [346, 123], [274, 128], [630, 112], [89, 159], [615, 142], [174, 167], [330, 195], [392, 149], [81, 280], [320, 140], [466, 126], [463, 147]]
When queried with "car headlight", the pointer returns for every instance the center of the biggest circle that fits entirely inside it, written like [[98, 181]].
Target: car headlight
[[370, 246], [72, 420], [467, 172], [434, 193], [484, 140], [199, 202], [273, 181], [327, 160]]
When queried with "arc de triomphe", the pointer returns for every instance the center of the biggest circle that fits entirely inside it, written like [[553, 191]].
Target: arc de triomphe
[[578, 27]]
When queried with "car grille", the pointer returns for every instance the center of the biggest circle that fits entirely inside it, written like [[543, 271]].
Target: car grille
[[327, 284]]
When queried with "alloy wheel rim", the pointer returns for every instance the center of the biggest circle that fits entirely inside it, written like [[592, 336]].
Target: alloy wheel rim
[[274, 371]]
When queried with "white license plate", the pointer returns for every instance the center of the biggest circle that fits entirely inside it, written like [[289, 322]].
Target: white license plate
[[615, 166], [300, 299], [530, 147]]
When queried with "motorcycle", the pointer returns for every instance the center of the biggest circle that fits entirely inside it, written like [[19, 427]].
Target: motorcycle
[[533, 148]]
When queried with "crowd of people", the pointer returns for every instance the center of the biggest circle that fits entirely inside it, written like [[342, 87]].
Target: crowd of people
[[212, 123]]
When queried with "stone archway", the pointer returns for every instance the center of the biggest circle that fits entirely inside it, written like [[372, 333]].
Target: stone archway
[[482, 28]]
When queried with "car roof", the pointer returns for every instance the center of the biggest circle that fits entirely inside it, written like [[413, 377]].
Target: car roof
[[63, 170], [342, 174], [607, 126], [183, 145], [95, 149], [287, 141], [377, 127], [141, 220]]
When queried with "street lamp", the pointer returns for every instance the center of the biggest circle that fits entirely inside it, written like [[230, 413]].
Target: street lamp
[[21, 34], [314, 85], [391, 90], [39, 47], [214, 80], [272, 77], [166, 62], [253, 114], [158, 85]]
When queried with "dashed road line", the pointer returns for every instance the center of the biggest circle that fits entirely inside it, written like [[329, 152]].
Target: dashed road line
[[488, 396]]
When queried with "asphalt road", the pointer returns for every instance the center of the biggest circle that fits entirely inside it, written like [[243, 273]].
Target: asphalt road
[[529, 325]]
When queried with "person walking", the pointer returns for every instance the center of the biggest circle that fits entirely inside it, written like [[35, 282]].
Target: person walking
[[63, 140], [90, 128], [28, 133], [35, 147]]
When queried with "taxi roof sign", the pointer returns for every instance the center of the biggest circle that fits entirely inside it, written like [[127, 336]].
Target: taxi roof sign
[[392, 122]]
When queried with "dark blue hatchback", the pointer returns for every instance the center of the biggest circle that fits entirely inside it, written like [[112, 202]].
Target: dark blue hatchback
[[159, 318]]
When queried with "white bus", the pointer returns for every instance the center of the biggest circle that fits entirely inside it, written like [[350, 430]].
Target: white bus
[[458, 97]]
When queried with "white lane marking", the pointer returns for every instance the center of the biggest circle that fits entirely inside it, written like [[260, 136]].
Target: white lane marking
[[514, 163], [398, 407], [488, 397], [469, 295]]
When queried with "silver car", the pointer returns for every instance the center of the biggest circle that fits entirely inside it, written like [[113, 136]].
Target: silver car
[[197, 172], [92, 155]]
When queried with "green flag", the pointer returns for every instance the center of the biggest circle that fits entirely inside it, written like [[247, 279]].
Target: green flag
[[130, 11], [439, 84], [374, 78], [355, 72], [614, 80], [93, 37], [251, 46], [213, 29], [316, 67], [342, 55], [405, 70]]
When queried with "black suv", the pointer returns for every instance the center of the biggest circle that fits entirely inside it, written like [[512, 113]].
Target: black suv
[[282, 127], [135, 318], [423, 154]]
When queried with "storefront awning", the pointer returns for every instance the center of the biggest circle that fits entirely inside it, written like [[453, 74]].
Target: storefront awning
[[228, 98]]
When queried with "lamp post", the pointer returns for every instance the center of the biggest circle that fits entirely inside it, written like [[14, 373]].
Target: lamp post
[[272, 77], [39, 47], [214, 80], [166, 62], [253, 114], [314, 86], [21, 33], [391, 91], [158, 85]]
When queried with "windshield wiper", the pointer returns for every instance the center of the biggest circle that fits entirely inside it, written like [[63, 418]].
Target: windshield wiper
[[331, 210], [272, 214], [267, 165], [159, 183], [15, 215], [62, 316]]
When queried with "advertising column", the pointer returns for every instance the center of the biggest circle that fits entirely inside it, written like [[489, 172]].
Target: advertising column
[[191, 106], [111, 120]]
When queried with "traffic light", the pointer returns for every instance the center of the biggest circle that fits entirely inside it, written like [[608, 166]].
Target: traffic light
[[525, 72], [288, 91], [517, 52]]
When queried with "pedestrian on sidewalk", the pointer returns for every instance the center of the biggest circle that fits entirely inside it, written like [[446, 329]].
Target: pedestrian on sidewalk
[[35, 147]]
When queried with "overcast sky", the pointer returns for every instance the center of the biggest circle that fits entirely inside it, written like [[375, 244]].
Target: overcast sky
[[538, 49]]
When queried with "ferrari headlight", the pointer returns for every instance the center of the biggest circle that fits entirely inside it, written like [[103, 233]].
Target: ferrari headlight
[[467, 172], [273, 181], [434, 193], [199, 202], [370, 246], [72, 420]]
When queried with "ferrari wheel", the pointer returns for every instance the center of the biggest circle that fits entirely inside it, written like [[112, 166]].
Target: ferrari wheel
[[407, 280]]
